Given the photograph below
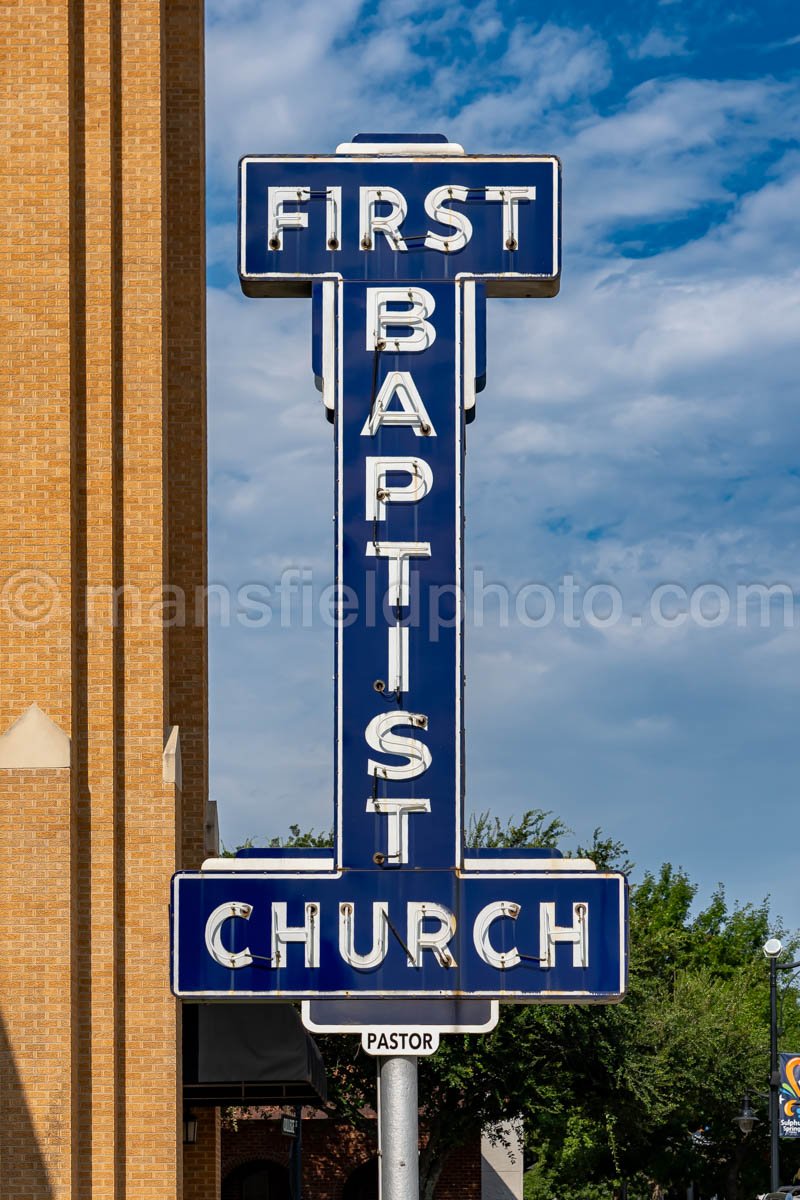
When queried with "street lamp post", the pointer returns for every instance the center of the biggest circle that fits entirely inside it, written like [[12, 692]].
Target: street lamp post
[[746, 1119], [774, 1081], [773, 949]]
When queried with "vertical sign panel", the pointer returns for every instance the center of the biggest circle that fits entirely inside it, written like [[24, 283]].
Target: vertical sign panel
[[399, 460]]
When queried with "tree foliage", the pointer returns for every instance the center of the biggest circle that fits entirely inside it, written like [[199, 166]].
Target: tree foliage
[[642, 1093]]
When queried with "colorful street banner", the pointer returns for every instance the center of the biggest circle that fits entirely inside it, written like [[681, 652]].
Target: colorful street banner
[[789, 1095]]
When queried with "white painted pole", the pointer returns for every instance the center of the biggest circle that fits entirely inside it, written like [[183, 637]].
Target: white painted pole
[[399, 1127]]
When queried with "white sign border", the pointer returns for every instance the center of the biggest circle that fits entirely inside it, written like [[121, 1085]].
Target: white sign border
[[411, 1027], [553, 276], [571, 997]]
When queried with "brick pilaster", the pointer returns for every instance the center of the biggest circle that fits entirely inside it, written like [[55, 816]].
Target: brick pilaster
[[102, 503]]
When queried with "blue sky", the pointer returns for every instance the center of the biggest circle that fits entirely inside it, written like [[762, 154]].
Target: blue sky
[[639, 430]]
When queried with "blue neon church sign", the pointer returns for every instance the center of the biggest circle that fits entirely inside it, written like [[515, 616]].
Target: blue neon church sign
[[399, 245]]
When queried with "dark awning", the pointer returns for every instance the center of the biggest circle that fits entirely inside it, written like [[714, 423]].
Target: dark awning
[[249, 1054]]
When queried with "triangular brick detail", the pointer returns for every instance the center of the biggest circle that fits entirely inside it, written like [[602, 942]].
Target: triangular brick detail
[[34, 742]]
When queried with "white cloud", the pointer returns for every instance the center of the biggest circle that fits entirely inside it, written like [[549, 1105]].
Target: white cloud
[[658, 44], [308, 76], [673, 147], [541, 70], [487, 22], [783, 45], [639, 428]]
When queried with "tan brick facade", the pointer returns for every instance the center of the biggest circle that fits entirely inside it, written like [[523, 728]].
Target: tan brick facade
[[202, 1162], [102, 488]]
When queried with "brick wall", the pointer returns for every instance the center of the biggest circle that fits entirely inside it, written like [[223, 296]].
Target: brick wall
[[102, 486], [37, 915], [202, 1161], [331, 1152], [461, 1178]]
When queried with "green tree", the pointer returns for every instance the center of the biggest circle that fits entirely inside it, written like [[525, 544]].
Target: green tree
[[296, 839], [670, 1064], [643, 1092]]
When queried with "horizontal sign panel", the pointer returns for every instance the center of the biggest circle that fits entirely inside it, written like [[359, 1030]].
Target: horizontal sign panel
[[400, 1041], [400, 219], [453, 1014], [290, 1126], [400, 933]]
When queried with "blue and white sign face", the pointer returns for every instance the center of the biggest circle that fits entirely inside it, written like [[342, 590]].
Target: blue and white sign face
[[551, 937], [416, 218], [399, 555], [400, 251]]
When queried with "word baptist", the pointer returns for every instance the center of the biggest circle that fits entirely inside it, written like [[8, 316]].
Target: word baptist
[[398, 318]]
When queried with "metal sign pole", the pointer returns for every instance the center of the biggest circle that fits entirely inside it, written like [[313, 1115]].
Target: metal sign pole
[[399, 1127], [380, 1138]]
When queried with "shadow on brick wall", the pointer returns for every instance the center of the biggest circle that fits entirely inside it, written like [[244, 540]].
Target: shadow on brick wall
[[22, 1168]]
